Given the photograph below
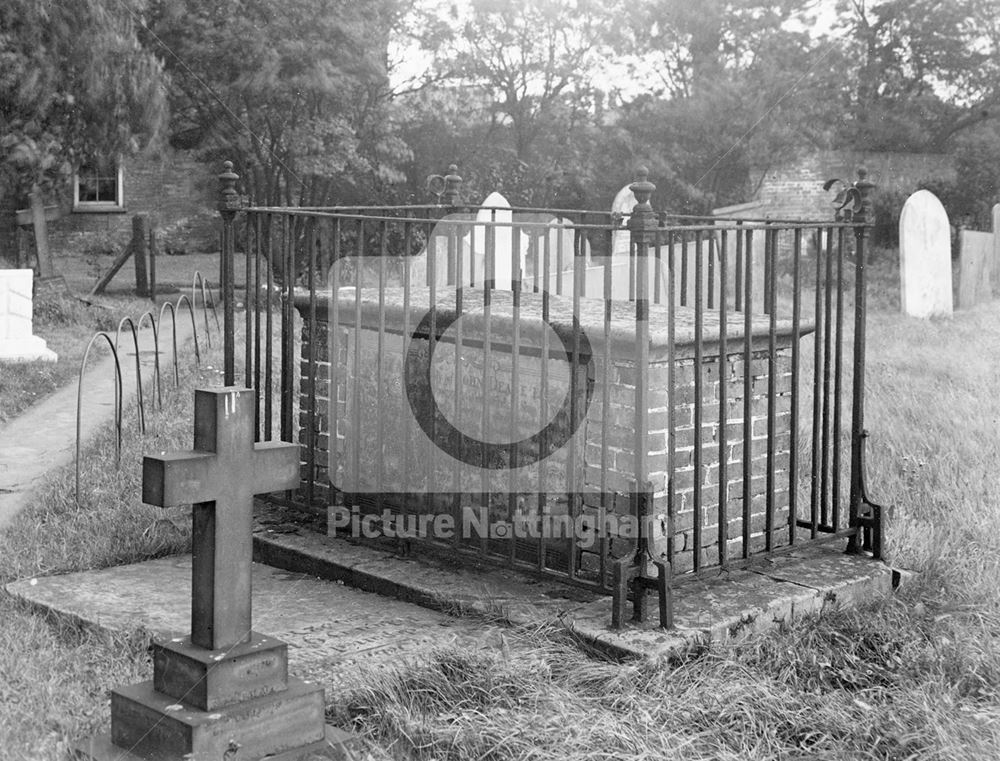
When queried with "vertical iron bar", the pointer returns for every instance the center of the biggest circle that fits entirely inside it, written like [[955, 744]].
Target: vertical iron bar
[[356, 433], [544, 405], [338, 374], [455, 252], [380, 402], [262, 223], [287, 336], [814, 496], [269, 331], [738, 269], [313, 433], [771, 256], [722, 437], [672, 393], [699, 329], [863, 218], [827, 355], [793, 446], [837, 378], [747, 391]]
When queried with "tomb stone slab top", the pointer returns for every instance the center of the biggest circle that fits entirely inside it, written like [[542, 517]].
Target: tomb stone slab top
[[393, 306]]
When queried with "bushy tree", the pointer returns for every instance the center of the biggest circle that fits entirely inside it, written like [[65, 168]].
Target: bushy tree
[[75, 85], [294, 91]]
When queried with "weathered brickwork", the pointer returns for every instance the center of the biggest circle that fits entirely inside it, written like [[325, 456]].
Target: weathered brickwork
[[609, 438], [175, 189], [794, 190]]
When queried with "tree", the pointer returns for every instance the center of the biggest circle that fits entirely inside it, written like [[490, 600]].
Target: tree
[[731, 88], [510, 94], [75, 85], [925, 70], [294, 91]]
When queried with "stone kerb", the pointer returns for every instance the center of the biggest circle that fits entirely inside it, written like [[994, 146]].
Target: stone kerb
[[925, 257], [17, 340]]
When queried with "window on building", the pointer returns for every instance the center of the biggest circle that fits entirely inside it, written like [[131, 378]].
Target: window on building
[[98, 187]]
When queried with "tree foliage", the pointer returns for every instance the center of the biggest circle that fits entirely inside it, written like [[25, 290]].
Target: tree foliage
[[75, 85], [294, 91], [922, 71]]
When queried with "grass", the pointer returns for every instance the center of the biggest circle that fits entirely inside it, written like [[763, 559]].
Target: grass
[[913, 677], [54, 675], [66, 324]]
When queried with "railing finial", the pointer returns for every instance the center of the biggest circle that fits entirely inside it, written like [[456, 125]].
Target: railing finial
[[448, 189], [229, 199], [643, 217]]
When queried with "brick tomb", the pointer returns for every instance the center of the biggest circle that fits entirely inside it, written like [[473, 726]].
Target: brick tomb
[[406, 442]]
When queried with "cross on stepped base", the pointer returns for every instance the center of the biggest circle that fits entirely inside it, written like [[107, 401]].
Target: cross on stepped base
[[224, 692]]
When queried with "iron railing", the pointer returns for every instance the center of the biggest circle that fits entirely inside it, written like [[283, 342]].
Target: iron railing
[[697, 392]]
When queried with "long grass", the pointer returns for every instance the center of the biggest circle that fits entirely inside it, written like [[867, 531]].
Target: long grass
[[916, 676], [54, 675]]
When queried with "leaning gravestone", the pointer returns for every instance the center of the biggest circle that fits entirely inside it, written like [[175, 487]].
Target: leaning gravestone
[[17, 342], [224, 692], [925, 257], [975, 250]]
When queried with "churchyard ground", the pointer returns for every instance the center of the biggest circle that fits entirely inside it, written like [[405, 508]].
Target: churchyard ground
[[67, 323], [915, 677]]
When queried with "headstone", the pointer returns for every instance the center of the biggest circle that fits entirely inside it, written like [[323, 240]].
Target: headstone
[[995, 253], [736, 255], [224, 690], [925, 256], [494, 233], [17, 342], [975, 252], [623, 204]]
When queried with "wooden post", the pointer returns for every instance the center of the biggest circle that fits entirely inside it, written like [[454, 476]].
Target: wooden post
[[140, 225], [46, 269], [152, 263]]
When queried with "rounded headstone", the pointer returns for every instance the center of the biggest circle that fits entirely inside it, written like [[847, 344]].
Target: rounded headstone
[[925, 256]]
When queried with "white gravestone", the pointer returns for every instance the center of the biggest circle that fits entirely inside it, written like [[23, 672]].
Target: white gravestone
[[994, 267], [450, 240], [925, 257], [623, 204], [496, 216], [17, 342]]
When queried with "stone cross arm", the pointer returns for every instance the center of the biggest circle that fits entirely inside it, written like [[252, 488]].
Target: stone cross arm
[[180, 478]]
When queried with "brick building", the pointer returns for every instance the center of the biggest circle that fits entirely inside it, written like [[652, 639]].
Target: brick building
[[174, 188], [794, 190]]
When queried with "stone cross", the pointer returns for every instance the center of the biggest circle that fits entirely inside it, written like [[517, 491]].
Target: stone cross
[[220, 478]]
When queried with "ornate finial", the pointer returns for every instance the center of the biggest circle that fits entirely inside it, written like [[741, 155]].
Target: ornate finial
[[642, 188], [229, 199], [447, 188], [643, 217], [852, 202], [866, 209], [452, 186]]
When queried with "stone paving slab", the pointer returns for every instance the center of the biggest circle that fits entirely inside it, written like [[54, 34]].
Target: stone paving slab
[[719, 608], [332, 630]]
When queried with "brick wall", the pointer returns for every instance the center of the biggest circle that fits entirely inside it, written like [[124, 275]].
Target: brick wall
[[795, 190], [176, 190], [609, 432]]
